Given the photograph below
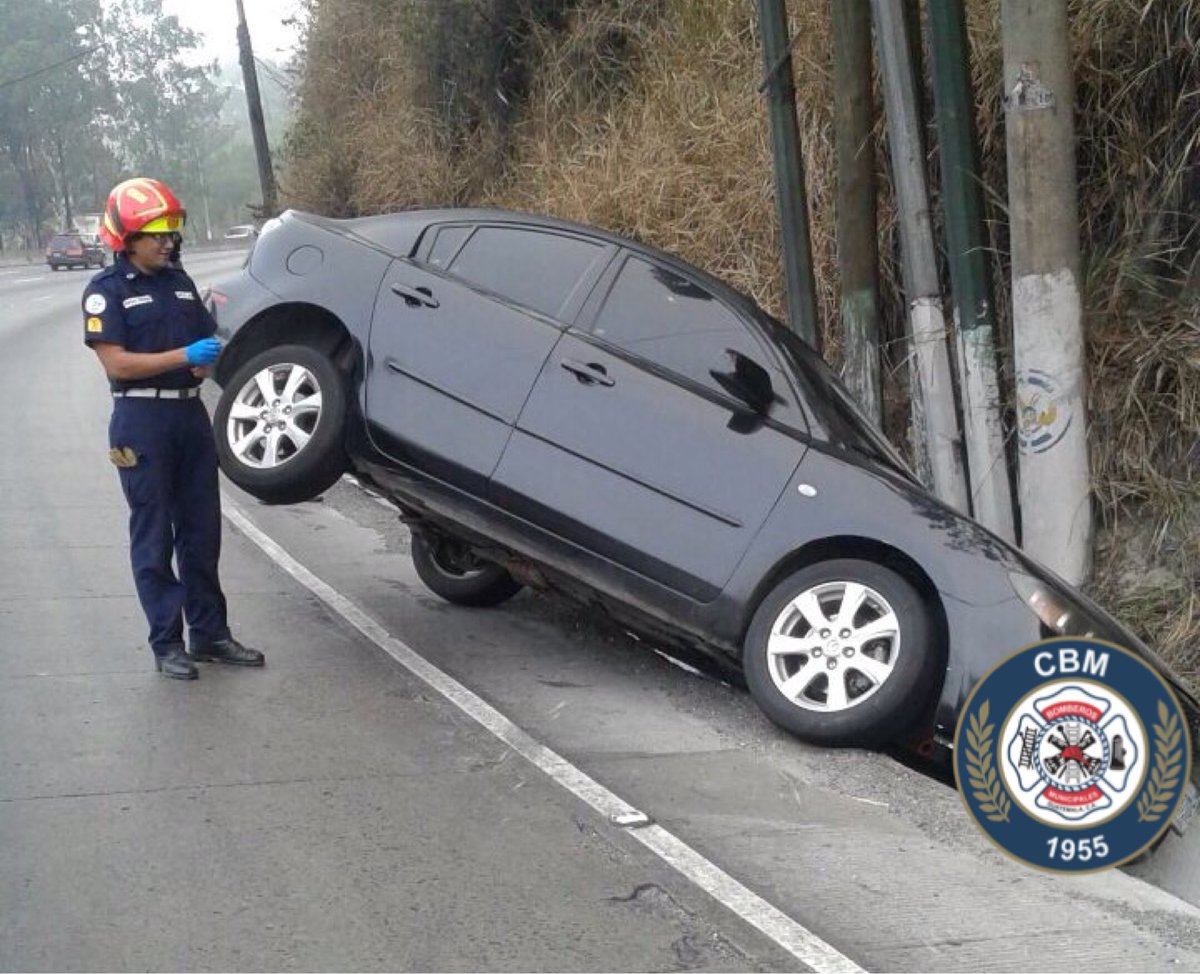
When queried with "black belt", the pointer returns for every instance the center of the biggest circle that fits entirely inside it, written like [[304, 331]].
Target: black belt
[[190, 393]]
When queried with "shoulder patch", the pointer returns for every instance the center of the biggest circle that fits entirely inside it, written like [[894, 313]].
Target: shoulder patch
[[95, 304], [185, 295], [136, 300], [95, 324]]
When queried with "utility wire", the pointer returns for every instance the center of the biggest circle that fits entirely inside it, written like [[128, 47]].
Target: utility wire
[[274, 74], [49, 67]]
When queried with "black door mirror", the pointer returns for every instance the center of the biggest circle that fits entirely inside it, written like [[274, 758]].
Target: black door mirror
[[747, 382]]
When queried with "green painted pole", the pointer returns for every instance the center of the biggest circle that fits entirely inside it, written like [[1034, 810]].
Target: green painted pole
[[790, 194], [991, 495], [857, 226]]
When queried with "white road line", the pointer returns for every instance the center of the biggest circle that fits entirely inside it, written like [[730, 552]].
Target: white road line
[[26, 280], [796, 939]]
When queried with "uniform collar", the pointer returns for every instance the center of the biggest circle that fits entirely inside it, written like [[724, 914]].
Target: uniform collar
[[126, 269]]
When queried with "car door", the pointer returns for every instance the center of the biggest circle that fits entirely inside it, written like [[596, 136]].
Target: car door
[[454, 353], [630, 447]]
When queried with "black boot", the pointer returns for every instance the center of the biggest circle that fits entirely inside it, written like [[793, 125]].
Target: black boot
[[227, 651], [176, 664]]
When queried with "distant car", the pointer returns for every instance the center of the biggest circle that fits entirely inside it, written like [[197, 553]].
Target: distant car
[[75, 250], [242, 232], [552, 405]]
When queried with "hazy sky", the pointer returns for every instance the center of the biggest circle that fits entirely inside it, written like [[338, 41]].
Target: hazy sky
[[216, 20]]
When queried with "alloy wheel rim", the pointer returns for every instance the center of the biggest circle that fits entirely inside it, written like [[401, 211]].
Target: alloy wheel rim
[[274, 416], [833, 646]]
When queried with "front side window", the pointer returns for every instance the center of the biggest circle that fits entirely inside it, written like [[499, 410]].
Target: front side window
[[534, 268], [671, 321]]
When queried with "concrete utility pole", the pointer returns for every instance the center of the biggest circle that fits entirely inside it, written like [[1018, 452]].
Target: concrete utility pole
[[262, 152], [935, 419], [857, 232], [987, 466], [1056, 516], [791, 197]]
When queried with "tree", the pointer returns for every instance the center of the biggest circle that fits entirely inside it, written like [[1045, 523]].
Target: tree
[[43, 89], [163, 108], [89, 94]]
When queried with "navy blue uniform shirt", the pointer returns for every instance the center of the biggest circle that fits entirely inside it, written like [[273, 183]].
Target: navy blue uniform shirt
[[145, 313]]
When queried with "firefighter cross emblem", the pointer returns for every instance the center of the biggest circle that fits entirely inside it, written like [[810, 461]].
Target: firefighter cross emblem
[[1073, 755]]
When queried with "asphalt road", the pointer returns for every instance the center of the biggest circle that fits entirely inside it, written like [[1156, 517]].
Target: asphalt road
[[413, 786]]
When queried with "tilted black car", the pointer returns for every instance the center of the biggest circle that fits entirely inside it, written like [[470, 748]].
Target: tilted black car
[[549, 404]]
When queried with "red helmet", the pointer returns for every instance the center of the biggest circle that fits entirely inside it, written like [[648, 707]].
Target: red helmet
[[140, 205]]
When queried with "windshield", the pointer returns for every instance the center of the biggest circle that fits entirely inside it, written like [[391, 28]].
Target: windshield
[[64, 241], [835, 409]]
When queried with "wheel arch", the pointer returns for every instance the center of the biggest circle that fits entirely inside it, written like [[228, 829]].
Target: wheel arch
[[292, 323], [865, 549]]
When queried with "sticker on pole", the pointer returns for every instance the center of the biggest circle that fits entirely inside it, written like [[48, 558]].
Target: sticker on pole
[[1072, 755], [1043, 411]]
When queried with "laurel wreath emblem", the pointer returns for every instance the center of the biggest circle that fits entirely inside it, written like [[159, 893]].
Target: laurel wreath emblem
[[981, 772], [1168, 762]]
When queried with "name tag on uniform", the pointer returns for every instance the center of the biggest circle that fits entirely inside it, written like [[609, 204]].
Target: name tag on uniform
[[185, 295], [134, 302]]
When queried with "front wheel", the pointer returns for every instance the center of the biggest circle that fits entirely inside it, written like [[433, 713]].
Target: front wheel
[[280, 423], [842, 652], [451, 571]]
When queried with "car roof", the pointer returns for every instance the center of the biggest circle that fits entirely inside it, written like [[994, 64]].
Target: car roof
[[398, 234]]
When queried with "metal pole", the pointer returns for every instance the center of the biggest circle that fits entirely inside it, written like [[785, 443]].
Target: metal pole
[[262, 152], [857, 231], [935, 419], [790, 194], [991, 496], [1056, 516]]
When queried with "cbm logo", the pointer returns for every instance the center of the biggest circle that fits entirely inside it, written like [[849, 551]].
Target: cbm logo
[[1073, 755]]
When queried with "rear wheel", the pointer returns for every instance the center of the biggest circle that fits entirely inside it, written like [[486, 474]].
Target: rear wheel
[[279, 425], [450, 570], [842, 652]]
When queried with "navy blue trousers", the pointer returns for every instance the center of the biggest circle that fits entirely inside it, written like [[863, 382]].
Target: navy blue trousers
[[174, 509]]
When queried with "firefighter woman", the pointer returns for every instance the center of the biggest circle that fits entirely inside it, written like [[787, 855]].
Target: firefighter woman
[[144, 320]]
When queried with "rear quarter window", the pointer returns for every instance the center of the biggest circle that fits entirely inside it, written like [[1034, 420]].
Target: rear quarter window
[[445, 246]]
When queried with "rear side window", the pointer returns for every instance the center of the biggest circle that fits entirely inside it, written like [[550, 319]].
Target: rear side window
[[446, 244], [673, 322], [534, 268]]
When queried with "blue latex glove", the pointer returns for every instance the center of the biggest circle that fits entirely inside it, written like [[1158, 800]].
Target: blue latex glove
[[203, 352]]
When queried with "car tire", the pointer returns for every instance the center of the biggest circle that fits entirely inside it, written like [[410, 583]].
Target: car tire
[[449, 570], [291, 448], [838, 672]]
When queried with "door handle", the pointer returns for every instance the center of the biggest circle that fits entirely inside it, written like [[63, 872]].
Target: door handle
[[416, 296], [589, 373]]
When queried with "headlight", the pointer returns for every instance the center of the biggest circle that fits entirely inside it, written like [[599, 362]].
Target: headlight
[[1058, 615]]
